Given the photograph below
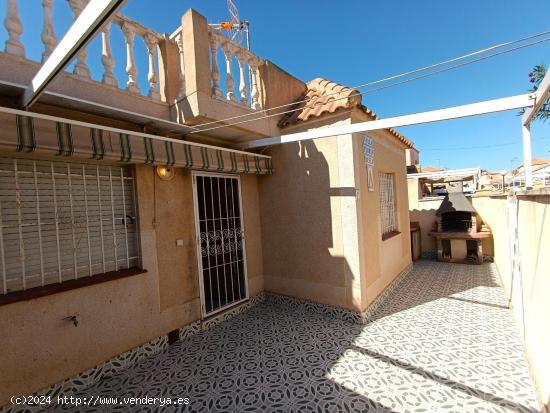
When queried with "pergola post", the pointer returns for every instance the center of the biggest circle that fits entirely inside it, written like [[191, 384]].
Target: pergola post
[[527, 157]]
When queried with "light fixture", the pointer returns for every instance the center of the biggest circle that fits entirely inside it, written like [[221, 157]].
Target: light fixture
[[166, 173]]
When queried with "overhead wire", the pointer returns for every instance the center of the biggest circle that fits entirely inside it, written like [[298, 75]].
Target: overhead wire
[[497, 145], [404, 74], [447, 69]]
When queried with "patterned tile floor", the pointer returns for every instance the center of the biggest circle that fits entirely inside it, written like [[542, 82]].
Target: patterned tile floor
[[443, 341]]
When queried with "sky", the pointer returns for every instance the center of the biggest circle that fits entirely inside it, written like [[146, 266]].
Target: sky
[[352, 42]]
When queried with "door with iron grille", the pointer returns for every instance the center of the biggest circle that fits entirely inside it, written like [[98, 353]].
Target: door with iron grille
[[220, 241]]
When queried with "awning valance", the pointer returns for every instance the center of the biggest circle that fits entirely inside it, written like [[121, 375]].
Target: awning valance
[[49, 135]]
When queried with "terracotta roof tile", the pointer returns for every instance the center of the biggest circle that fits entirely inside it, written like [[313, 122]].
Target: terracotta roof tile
[[323, 96], [431, 169], [540, 161]]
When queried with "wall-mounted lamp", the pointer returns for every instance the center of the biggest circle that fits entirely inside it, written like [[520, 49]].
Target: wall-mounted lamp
[[166, 173]]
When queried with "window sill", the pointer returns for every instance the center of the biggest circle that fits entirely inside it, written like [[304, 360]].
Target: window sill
[[390, 235], [50, 289]]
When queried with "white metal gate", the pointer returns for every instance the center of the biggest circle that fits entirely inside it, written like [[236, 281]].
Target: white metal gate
[[220, 241]]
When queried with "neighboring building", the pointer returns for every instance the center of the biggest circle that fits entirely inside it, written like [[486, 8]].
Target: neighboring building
[[112, 236], [541, 174], [412, 158], [438, 183], [492, 181], [536, 163], [429, 168]]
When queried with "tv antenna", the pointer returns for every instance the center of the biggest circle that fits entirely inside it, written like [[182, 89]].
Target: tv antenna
[[235, 27]]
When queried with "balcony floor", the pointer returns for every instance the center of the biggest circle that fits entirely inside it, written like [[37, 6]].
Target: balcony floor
[[443, 341]]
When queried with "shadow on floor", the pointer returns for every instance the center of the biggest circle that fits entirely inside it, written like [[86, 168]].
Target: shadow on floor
[[424, 353], [432, 280]]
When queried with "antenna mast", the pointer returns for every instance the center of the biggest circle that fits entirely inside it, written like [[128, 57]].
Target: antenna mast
[[235, 27]]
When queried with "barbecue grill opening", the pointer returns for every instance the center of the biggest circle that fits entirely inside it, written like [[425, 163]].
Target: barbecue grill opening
[[457, 221]]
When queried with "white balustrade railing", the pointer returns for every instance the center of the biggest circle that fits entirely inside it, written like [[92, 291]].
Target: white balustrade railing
[[247, 93], [15, 30], [48, 33], [234, 70], [130, 29]]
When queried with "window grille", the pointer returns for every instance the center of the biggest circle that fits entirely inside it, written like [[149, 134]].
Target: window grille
[[388, 215], [62, 221]]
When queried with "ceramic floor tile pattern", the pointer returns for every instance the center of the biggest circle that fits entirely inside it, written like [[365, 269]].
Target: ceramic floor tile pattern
[[443, 341]]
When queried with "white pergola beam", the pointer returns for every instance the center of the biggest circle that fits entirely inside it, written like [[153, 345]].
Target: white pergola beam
[[481, 108], [81, 32]]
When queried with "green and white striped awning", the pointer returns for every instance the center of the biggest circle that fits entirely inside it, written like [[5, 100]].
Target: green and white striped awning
[[52, 136]]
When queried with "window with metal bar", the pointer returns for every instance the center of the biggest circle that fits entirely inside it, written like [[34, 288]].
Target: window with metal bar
[[388, 216], [63, 221]]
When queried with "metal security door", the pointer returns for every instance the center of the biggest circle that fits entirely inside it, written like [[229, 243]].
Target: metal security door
[[220, 241]]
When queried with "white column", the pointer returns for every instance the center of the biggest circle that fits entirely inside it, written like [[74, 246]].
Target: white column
[[48, 33], [215, 72], [81, 68], [527, 157], [254, 92], [179, 42], [15, 29], [107, 57], [243, 88], [151, 42], [131, 70], [229, 82]]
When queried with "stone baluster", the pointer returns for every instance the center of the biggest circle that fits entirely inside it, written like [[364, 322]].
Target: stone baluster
[[229, 81], [253, 64], [215, 72], [129, 32], [81, 68], [48, 34], [243, 88], [15, 29], [151, 42], [107, 57], [179, 42]]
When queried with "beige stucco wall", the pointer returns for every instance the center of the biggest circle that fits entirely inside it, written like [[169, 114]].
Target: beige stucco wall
[[301, 222], [40, 349], [533, 316], [412, 156], [381, 260], [115, 316], [320, 225], [423, 211], [253, 234]]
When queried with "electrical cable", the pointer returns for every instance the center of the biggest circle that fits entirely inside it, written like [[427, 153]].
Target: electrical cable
[[484, 146], [420, 69], [447, 69]]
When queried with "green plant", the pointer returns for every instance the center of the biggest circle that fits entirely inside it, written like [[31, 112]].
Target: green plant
[[535, 77]]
